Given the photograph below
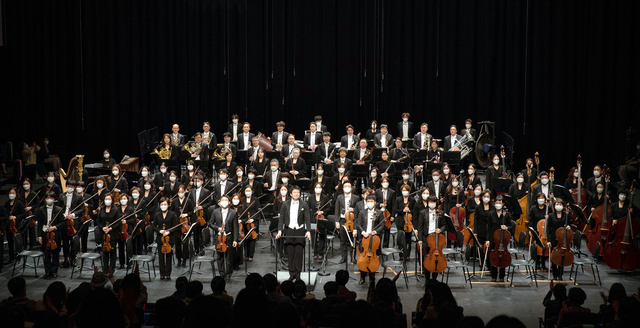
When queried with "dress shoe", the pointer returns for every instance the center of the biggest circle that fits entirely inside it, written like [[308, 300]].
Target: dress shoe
[[342, 261], [162, 278], [167, 278], [361, 282], [501, 279], [54, 275], [121, 266]]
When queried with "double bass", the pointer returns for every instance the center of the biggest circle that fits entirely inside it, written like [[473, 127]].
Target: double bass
[[579, 195], [500, 256], [435, 261], [457, 214], [562, 254], [600, 215], [621, 252], [467, 239]]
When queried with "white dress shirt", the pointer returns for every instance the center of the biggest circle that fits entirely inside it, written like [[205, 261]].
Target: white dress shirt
[[370, 217], [405, 129], [245, 136], [383, 140], [234, 130], [349, 141], [49, 217], [274, 181], [225, 213], [453, 141], [69, 198], [279, 138], [363, 152], [432, 221], [293, 215], [223, 184], [347, 202], [436, 187], [545, 190], [326, 151], [312, 139]]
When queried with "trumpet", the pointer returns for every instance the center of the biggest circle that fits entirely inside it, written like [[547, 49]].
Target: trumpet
[[427, 142]]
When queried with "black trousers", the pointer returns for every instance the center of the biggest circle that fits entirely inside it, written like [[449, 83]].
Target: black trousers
[[108, 259], [197, 230], [67, 247], [295, 250], [225, 267], [12, 249], [251, 247], [407, 244], [31, 234], [137, 244], [386, 237], [51, 258], [321, 241], [165, 263], [122, 255], [84, 237], [182, 250]]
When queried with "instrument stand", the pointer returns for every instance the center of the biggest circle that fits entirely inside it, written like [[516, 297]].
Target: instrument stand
[[242, 244], [349, 253], [534, 272], [273, 226], [190, 271], [326, 226], [478, 250]]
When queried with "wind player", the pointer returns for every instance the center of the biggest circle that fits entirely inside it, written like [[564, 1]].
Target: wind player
[[287, 150], [326, 150], [177, 139], [312, 139], [405, 128], [234, 127], [422, 139], [295, 222], [349, 140], [244, 138], [360, 153], [208, 137], [279, 137], [450, 141], [227, 144], [252, 152], [383, 139], [368, 224]]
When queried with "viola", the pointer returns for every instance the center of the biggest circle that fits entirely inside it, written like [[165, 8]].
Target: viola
[[252, 225], [71, 231], [85, 216], [106, 245], [457, 214], [387, 217], [435, 261], [221, 246], [166, 246], [241, 234], [147, 219], [12, 227], [408, 220], [500, 256], [600, 216], [51, 241], [368, 259], [184, 222], [200, 218], [562, 255], [123, 234], [621, 252], [468, 240], [349, 218]]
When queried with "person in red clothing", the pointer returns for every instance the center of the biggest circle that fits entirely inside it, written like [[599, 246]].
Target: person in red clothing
[[342, 277]]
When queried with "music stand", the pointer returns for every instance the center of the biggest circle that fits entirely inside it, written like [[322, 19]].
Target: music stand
[[241, 243], [241, 156], [309, 157], [376, 154], [478, 250], [513, 205], [534, 235], [501, 185], [451, 157], [429, 167], [304, 258], [152, 134], [325, 227], [190, 244], [303, 183], [273, 228], [563, 193], [359, 171], [407, 142], [420, 156], [579, 213]]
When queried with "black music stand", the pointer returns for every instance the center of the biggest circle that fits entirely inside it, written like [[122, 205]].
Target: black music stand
[[309, 157], [241, 157], [303, 183], [325, 227], [429, 167], [359, 171], [451, 157], [579, 213], [376, 154], [273, 229], [407, 142], [501, 185], [513, 206], [304, 259], [420, 156], [478, 250], [563, 193], [536, 238], [241, 243], [189, 242], [349, 153]]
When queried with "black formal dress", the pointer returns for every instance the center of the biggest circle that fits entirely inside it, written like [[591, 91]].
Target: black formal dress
[[250, 209], [554, 223], [131, 221], [182, 206], [105, 218], [299, 165], [318, 202], [398, 212], [494, 223], [16, 209], [165, 221]]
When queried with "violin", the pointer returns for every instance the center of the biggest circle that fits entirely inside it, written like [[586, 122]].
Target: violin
[[166, 246], [200, 216], [622, 253], [106, 245], [368, 259], [600, 215], [241, 234], [147, 219], [320, 216], [387, 216], [221, 246], [467, 239], [123, 234], [500, 256], [349, 218], [435, 261], [85, 216], [457, 214], [562, 254], [408, 219], [51, 241], [184, 222], [71, 231], [12, 223], [252, 225]]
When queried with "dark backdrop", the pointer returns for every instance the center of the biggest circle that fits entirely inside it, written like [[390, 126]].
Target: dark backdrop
[[92, 74]]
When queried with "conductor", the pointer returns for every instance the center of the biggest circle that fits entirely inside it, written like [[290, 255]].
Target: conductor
[[295, 221]]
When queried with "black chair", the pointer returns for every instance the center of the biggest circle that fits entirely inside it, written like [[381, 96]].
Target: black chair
[[144, 259], [593, 262], [19, 246], [93, 256]]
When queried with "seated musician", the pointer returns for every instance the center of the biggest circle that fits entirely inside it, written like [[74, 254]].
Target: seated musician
[[279, 138], [189, 174], [202, 150], [594, 180], [255, 148], [256, 188], [238, 177], [117, 182], [471, 179], [313, 139], [177, 139], [374, 179], [161, 178], [468, 129], [244, 138], [261, 163], [494, 171], [384, 166], [349, 140], [498, 219], [422, 139], [171, 187], [227, 144], [361, 152], [573, 179], [342, 159], [557, 219], [404, 205], [287, 150], [371, 133], [398, 152], [208, 138], [229, 164], [318, 206], [451, 141], [324, 180], [182, 207], [325, 152], [435, 153], [166, 145], [529, 172], [405, 128], [369, 223], [383, 139], [107, 161], [519, 189], [431, 220], [319, 126], [346, 202], [296, 167], [234, 127]]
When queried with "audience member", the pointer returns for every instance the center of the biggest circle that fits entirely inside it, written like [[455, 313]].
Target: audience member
[[218, 288], [572, 306], [271, 285], [342, 278]]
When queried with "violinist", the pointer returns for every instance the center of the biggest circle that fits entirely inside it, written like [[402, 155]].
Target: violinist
[[325, 151], [313, 139], [171, 187], [238, 206], [342, 159], [325, 181], [150, 199], [144, 173], [368, 223], [164, 221], [345, 203], [435, 153], [208, 138], [382, 139], [498, 219], [107, 216], [252, 206], [72, 210], [187, 177], [223, 186], [455, 196], [168, 144], [201, 199], [287, 150], [431, 220], [349, 140], [261, 163], [318, 206], [384, 166], [183, 208], [361, 152], [556, 221], [16, 212], [107, 161], [398, 151], [229, 164], [445, 176], [234, 127], [123, 209], [481, 220], [49, 221], [296, 167], [494, 171], [294, 222], [573, 179], [239, 178], [252, 152], [436, 186], [161, 178], [279, 137], [373, 181], [224, 221], [405, 128], [271, 179], [422, 139], [404, 205], [244, 138], [594, 180], [544, 187], [471, 179], [117, 183], [520, 188], [138, 203], [51, 185], [31, 201], [339, 178], [283, 196], [371, 133], [406, 180], [256, 188], [100, 188], [537, 212], [529, 172], [421, 205]]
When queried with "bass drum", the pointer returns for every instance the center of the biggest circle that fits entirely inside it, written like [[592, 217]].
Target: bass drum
[[485, 160]]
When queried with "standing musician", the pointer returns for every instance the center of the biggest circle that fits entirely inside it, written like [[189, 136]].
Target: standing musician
[[385, 197], [234, 127], [318, 206], [346, 202], [371, 133], [361, 152], [436, 187], [498, 219], [51, 185], [368, 223], [223, 186], [573, 179], [383, 139], [279, 137], [422, 139], [405, 128], [238, 177], [4, 218], [294, 222], [349, 140], [435, 153], [519, 189], [481, 221], [254, 149], [150, 199], [384, 166], [229, 164], [287, 150], [201, 200], [72, 210], [16, 212], [297, 167], [49, 221], [177, 139], [107, 161], [227, 144], [455, 196], [374, 179], [471, 179], [251, 208], [596, 200], [144, 174], [398, 152], [123, 209], [201, 154], [161, 178], [319, 125], [182, 207], [594, 180], [544, 187], [208, 137], [468, 129], [164, 221], [404, 205], [313, 139], [431, 220], [31, 201], [139, 239], [167, 145], [451, 140], [256, 188], [530, 173], [325, 151], [238, 206], [406, 180], [107, 216], [171, 187], [537, 212], [224, 221], [271, 178], [100, 189], [325, 181], [244, 138], [188, 175], [117, 183], [556, 220], [339, 178], [342, 159], [494, 171], [422, 203]]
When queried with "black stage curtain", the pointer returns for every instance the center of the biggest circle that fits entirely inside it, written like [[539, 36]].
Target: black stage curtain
[[92, 74]]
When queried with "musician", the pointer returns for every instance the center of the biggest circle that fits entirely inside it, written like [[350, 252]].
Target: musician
[[384, 166], [468, 129], [596, 200], [31, 201], [203, 153], [250, 216], [162, 223], [161, 178], [48, 221], [446, 174], [107, 161], [294, 222], [471, 179], [340, 177], [313, 139], [498, 219], [482, 220], [107, 216], [405, 128], [229, 164], [573, 179], [594, 180], [144, 173], [177, 139], [435, 153], [139, 204], [475, 200], [101, 190], [383, 139], [361, 152], [318, 204], [124, 214], [227, 144], [537, 212], [256, 188], [421, 204], [530, 173], [544, 187], [4, 217], [422, 139], [406, 180], [371, 133], [51, 185], [261, 163], [455, 196], [167, 145], [200, 196], [284, 179], [238, 177], [72, 210], [374, 179], [385, 196], [16, 212], [279, 137], [325, 152], [297, 167], [182, 207], [223, 186], [398, 152], [234, 128], [117, 183], [208, 137], [171, 187], [361, 205], [403, 205], [619, 209], [149, 197], [254, 149], [369, 223], [287, 150], [436, 186], [558, 219], [224, 220], [431, 220], [283, 195], [189, 174], [342, 153], [349, 140], [244, 138], [451, 140], [319, 125], [346, 202], [272, 177], [494, 171], [519, 189]]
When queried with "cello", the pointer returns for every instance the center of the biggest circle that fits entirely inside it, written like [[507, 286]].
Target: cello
[[12, 223], [600, 215], [622, 251], [368, 259], [467, 239], [500, 256], [523, 221], [457, 214], [579, 195], [435, 261], [562, 254]]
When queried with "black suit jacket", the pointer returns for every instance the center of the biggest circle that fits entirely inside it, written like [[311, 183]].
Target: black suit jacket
[[285, 150], [347, 163], [423, 223], [181, 140], [344, 143], [218, 190], [274, 138], [303, 215], [377, 140], [432, 189], [317, 139], [204, 193], [340, 206], [241, 139], [472, 132], [76, 200], [213, 140], [321, 153], [446, 145], [391, 197], [361, 221], [356, 156], [230, 224], [409, 130], [231, 146], [321, 128], [417, 140], [238, 130], [268, 177], [57, 221]]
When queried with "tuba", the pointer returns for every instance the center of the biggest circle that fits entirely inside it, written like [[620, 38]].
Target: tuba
[[75, 171]]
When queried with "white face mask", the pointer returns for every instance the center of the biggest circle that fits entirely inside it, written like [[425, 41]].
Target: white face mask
[[239, 173], [181, 195], [596, 174], [283, 192], [373, 126], [106, 155], [235, 202], [99, 185], [251, 176], [405, 119], [600, 190], [190, 167], [575, 174], [520, 180], [163, 208], [498, 206], [425, 196], [318, 190], [172, 179], [470, 172], [385, 185], [318, 123], [405, 177], [49, 201], [486, 200], [235, 121], [115, 172], [144, 173], [477, 192], [135, 195], [436, 178], [163, 170], [496, 161], [50, 179], [540, 201], [124, 202], [274, 168], [320, 172], [285, 180], [26, 187], [529, 165], [544, 181], [445, 171], [46, 142], [405, 193], [468, 126], [370, 205], [12, 196], [432, 205], [373, 174], [341, 170], [147, 187], [107, 202], [622, 197], [223, 177], [454, 184], [559, 208], [198, 184], [224, 204], [347, 190], [248, 194], [69, 190], [79, 189]]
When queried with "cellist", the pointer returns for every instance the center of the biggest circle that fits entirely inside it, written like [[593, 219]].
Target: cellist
[[620, 208], [556, 221], [537, 212], [431, 221], [498, 219], [481, 220], [182, 207], [368, 223], [318, 206], [596, 199], [49, 221]]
